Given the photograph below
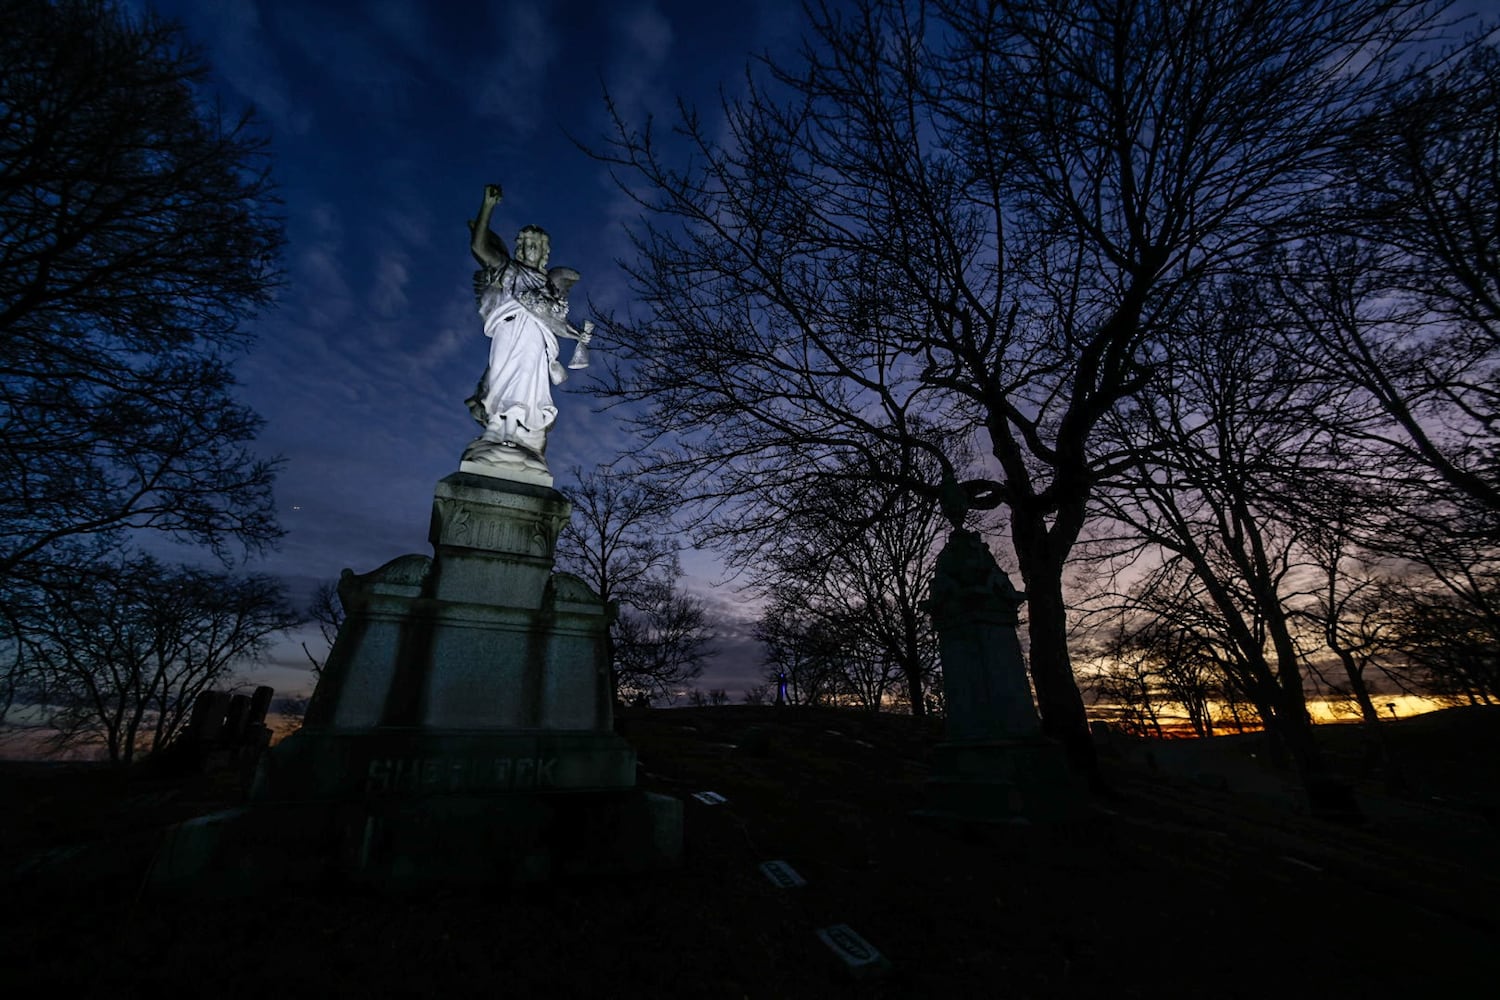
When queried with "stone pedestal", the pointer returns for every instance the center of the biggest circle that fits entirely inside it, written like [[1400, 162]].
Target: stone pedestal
[[462, 724], [995, 766]]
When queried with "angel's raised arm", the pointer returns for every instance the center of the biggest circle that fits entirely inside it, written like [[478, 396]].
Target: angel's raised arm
[[486, 247]]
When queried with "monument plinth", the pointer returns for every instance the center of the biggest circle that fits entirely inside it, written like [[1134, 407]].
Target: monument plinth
[[995, 766], [478, 670], [462, 730]]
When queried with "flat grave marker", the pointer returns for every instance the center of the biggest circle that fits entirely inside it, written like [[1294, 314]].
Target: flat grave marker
[[862, 958], [782, 875]]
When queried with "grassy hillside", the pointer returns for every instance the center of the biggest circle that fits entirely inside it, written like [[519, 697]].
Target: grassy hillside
[[1202, 876]]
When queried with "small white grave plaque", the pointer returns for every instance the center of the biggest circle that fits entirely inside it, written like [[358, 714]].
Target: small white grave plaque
[[710, 798], [862, 958], [782, 875]]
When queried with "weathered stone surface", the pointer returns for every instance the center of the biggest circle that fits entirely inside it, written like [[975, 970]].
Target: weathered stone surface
[[462, 729], [404, 843], [483, 635], [207, 721], [260, 704], [494, 542], [975, 611], [1002, 781], [861, 959], [382, 762], [995, 767]]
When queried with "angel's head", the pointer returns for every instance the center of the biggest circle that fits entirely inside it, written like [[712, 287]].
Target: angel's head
[[533, 247]]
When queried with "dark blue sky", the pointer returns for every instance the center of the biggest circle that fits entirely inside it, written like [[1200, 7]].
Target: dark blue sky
[[386, 120]]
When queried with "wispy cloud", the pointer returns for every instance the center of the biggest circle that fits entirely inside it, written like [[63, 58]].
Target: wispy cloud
[[511, 87], [245, 58], [634, 73], [388, 288]]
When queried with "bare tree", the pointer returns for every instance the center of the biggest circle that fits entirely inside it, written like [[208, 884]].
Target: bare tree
[[622, 542], [982, 216], [327, 611], [1445, 607], [122, 651], [661, 641], [136, 237], [1227, 468], [1350, 609], [1402, 302], [136, 233], [1125, 684], [1149, 662], [756, 694], [798, 651], [1171, 643], [859, 555]]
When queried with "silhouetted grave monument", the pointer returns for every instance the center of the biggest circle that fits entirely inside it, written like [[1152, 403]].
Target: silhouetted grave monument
[[223, 730], [207, 719], [462, 729], [995, 765]]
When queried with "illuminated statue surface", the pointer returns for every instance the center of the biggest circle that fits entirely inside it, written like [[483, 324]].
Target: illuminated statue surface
[[524, 309]]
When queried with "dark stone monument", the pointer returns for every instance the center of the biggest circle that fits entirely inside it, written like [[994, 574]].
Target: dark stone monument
[[462, 731], [995, 766], [207, 721], [237, 718]]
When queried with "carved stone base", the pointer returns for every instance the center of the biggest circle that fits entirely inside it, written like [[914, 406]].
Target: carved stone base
[[505, 460], [404, 843], [461, 732], [340, 764], [996, 767], [1002, 781]]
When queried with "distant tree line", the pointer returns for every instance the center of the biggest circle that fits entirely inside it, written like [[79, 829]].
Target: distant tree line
[[1199, 298]]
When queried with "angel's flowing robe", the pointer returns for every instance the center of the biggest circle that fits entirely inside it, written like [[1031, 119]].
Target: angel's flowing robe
[[516, 391]]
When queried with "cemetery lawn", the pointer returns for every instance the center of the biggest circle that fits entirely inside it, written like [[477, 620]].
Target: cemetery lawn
[[1202, 875]]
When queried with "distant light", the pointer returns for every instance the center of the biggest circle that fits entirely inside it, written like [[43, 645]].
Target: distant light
[[296, 506]]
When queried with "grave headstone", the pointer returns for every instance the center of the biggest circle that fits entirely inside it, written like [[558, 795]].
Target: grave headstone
[[209, 711], [994, 766], [260, 704], [237, 718]]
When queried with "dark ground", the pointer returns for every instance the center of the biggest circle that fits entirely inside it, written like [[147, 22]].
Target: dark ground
[[1202, 877]]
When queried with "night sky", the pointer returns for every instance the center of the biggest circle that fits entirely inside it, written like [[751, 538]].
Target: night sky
[[386, 119]]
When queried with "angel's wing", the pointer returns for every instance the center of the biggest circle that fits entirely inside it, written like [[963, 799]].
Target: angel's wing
[[560, 280]]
